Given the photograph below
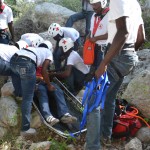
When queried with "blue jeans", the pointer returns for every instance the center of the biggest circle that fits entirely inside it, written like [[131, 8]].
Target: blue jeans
[[78, 16], [42, 94], [93, 130], [4, 37], [57, 56], [99, 56], [26, 70], [125, 63], [75, 81], [5, 70], [93, 118]]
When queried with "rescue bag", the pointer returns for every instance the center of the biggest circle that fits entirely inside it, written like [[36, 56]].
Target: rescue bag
[[89, 47], [88, 52], [126, 123]]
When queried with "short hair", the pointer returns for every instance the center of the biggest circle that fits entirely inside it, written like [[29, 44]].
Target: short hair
[[43, 45]]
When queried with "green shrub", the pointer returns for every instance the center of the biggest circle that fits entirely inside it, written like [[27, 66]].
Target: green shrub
[[74, 5]]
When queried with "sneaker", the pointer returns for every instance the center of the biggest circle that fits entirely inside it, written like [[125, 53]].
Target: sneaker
[[30, 132], [67, 118], [52, 120], [106, 141]]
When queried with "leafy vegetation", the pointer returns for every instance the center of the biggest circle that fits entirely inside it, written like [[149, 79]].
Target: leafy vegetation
[[74, 5]]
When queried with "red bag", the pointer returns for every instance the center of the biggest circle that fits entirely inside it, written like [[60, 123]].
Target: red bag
[[126, 122], [125, 126], [88, 49], [88, 52]]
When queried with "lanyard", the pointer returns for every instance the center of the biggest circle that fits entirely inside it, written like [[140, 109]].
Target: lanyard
[[98, 19], [96, 23]]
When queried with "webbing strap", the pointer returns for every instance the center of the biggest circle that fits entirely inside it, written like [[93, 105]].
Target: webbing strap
[[97, 20], [95, 94], [96, 23]]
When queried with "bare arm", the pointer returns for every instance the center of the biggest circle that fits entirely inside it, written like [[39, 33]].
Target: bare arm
[[11, 29], [45, 74], [64, 74], [116, 46], [140, 37], [100, 37]]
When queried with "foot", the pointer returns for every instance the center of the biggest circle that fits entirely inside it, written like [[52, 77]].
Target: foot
[[106, 141], [67, 118], [52, 120], [29, 132]]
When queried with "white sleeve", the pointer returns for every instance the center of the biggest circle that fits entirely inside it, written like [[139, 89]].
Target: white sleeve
[[74, 35], [50, 56], [10, 16], [70, 60], [118, 8]]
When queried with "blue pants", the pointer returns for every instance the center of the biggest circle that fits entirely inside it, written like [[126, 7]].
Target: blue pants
[[5, 70], [26, 71], [4, 37], [75, 81], [124, 62], [58, 95], [78, 16]]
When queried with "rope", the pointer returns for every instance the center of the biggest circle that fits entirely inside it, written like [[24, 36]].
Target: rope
[[134, 114]]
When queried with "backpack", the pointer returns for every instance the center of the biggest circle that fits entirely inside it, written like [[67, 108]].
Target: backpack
[[126, 123]]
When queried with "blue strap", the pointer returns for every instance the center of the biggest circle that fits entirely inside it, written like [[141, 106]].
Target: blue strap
[[100, 92], [94, 95]]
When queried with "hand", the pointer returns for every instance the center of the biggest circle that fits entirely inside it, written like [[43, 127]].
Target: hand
[[52, 75], [101, 70], [51, 87], [93, 39]]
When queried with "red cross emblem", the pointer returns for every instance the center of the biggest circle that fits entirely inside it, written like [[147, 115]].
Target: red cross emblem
[[57, 28], [64, 42], [100, 26]]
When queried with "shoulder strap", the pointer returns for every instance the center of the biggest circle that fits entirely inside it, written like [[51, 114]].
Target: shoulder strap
[[31, 52], [97, 20]]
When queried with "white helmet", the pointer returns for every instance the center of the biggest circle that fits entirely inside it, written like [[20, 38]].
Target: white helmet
[[36, 41], [48, 44], [55, 29], [66, 44], [21, 44], [103, 2]]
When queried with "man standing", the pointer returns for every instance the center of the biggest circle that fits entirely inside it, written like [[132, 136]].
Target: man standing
[[98, 32], [86, 14], [98, 35], [6, 23], [124, 22]]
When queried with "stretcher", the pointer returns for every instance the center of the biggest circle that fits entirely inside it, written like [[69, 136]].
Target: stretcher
[[75, 109]]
